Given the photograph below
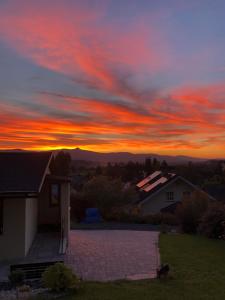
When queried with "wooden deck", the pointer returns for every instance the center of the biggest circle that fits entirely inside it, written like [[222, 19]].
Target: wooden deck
[[45, 248]]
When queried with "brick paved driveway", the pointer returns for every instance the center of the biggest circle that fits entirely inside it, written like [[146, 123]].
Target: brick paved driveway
[[106, 255]]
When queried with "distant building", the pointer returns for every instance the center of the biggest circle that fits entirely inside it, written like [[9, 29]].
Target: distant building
[[31, 198], [161, 192]]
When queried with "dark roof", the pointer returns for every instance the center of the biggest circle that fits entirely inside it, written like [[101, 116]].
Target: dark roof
[[145, 192], [156, 179], [154, 185], [22, 171]]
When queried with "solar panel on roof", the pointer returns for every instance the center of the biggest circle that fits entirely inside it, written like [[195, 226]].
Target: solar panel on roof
[[147, 179], [153, 185]]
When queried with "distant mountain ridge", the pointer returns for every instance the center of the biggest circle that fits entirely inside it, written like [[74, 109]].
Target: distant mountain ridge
[[116, 157]]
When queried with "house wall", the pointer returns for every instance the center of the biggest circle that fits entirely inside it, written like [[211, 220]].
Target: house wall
[[159, 201], [47, 214], [19, 227], [12, 241], [31, 222]]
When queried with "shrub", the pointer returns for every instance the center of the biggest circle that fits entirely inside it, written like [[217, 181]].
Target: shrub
[[160, 218], [190, 211], [212, 223], [119, 215], [60, 278], [135, 217], [17, 278]]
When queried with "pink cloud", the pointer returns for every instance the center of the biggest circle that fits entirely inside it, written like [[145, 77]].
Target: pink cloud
[[71, 41]]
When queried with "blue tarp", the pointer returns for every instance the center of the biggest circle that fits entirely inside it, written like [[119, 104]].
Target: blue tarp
[[92, 215]]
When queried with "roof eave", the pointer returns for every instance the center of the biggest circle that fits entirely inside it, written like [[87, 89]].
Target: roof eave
[[18, 194], [45, 172]]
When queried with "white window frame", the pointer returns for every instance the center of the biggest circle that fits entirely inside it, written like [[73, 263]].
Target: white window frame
[[170, 196]]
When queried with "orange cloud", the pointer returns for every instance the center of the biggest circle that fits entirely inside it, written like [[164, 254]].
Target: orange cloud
[[108, 127]]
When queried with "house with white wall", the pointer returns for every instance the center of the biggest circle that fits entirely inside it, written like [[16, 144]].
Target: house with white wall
[[31, 199], [161, 192]]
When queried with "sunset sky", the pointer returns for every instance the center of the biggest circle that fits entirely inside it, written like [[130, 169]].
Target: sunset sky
[[120, 75]]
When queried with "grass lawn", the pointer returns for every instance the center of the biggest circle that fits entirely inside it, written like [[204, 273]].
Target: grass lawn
[[198, 272]]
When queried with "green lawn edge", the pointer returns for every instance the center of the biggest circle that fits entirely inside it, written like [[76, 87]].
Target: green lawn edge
[[197, 272]]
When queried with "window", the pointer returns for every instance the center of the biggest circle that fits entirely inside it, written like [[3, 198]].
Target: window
[[1, 216], [54, 194], [170, 196]]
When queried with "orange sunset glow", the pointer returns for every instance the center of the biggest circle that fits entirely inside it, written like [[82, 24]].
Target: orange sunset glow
[[112, 76]]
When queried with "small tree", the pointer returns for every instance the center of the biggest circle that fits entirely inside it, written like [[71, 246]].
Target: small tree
[[148, 165], [164, 166], [212, 223], [61, 164], [155, 164], [190, 211]]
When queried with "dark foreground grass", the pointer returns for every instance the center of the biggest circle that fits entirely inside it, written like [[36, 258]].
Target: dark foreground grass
[[198, 272]]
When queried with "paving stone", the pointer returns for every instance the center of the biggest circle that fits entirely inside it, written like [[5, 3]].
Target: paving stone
[[106, 255]]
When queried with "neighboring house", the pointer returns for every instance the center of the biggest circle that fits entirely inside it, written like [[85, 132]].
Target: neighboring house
[[30, 199], [161, 192]]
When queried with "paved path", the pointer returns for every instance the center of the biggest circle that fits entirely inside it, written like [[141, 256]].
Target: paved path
[[107, 255]]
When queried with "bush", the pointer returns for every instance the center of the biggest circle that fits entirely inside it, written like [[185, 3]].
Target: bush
[[135, 217], [212, 223], [60, 278], [190, 211], [121, 216], [160, 218]]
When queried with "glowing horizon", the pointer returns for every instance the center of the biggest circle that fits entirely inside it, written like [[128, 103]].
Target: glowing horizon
[[106, 76]]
